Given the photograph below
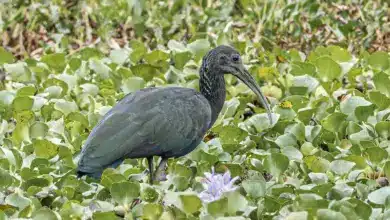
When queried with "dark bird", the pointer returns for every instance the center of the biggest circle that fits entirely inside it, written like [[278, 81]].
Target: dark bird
[[166, 122]]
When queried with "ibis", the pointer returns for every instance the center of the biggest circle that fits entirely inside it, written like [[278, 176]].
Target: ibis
[[168, 122]]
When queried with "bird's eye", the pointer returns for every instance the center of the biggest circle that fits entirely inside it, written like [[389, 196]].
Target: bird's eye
[[235, 57]]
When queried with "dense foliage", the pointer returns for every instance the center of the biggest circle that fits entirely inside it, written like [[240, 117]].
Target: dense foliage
[[323, 66]]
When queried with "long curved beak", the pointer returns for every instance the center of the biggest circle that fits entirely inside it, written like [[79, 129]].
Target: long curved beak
[[246, 78]]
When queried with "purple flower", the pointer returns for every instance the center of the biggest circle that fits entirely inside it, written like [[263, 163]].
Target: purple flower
[[216, 184]]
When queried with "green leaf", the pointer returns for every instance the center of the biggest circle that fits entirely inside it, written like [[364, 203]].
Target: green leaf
[[45, 213], [20, 104], [376, 154], [199, 47], [334, 121], [133, 84], [298, 130], [71, 209], [56, 82], [308, 82], [302, 215], [218, 207], [292, 153], [146, 71], [231, 218], [38, 130], [317, 164], [379, 196], [339, 54], [74, 63], [125, 192], [152, 211], [328, 69], [382, 82], [255, 185], [66, 107], [181, 59], [356, 107], [386, 169], [302, 68], [285, 140], [119, 56], [55, 61], [26, 91], [176, 46], [327, 214], [5, 56], [190, 203], [18, 200], [18, 71], [379, 99], [232, 135], [307, 149], [276, 163], [318, 178], [6, 98], [156, 56], [182, 170], [77, 117], [383, 129], [90, 52], [102, 70], [138, 52], [363, 112], [236, 202], [6, 179], [180, 183], [104, 215], [271, 90], [341, 167], [261, 122], [285, 113], [45, 149], [379, 60]]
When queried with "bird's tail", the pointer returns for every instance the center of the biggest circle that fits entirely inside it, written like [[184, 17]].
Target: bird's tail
[[76, 159], [80, 173]]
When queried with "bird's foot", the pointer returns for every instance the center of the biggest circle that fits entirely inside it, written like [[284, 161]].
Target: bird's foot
[[145, 172], [160, 176]]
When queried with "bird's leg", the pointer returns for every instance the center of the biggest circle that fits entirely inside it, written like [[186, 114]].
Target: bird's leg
[[150, 163], [160, 171]]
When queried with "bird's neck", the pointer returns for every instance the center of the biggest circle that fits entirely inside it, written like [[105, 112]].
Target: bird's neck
[[212, 86]]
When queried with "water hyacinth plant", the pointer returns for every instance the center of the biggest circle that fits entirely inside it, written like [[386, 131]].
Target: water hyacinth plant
[[217, 184]]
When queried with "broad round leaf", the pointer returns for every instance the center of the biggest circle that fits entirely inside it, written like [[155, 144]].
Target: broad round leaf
[[5, 56], [379, 196], [328, 69], [45, 149], [327, 214], [190, 203], [276, 163], [379, 60], [341, 167], [125, 192], [45, 213]]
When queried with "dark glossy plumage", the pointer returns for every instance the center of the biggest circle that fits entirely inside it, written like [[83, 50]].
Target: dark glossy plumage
[[166, 122]]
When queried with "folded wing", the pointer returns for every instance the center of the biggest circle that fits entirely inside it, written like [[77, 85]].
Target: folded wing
[[166, 122]]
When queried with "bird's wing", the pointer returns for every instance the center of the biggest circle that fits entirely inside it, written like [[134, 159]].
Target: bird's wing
[[148, 122]]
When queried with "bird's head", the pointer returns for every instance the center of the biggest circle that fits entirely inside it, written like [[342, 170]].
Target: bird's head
[[227, 60]]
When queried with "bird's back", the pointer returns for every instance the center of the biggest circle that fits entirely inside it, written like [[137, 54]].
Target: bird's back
[[169, 122]]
